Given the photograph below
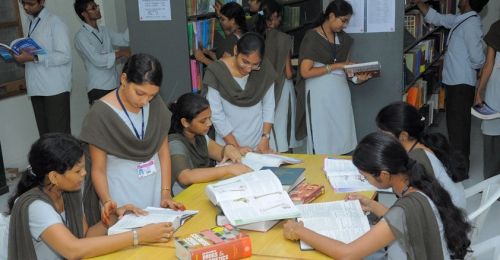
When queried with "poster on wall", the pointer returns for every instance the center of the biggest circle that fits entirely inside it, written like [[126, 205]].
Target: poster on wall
[[380, 16], [357, 22], [155, 10]]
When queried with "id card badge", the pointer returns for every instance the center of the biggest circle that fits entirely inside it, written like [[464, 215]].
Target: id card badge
[[146, 169]]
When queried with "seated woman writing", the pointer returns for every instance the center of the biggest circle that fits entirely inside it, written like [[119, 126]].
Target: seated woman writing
[[190, 147], [47, 220], [422, 224]]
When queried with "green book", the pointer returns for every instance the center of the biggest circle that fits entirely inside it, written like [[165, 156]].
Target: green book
[[289, 177]]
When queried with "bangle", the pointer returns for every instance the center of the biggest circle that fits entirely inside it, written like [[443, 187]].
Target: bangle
[[104, 203], [135, 238], [165, 188]]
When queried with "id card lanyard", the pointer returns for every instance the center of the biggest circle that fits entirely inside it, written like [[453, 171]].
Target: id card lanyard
[[140, 137], [30, 31]]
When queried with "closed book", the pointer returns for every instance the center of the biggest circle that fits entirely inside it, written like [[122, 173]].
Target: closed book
[[220, 242], [262, 226], [306, 192], [289, 177]]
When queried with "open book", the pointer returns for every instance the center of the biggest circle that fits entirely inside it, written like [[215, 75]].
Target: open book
[[18, 46], [369, 67], [252, 197], [345, 177], [484, 112], [289, 177], [340, 220], [156, 215], [256, 160]]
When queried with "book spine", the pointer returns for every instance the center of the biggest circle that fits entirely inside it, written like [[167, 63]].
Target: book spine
[[232, 250]]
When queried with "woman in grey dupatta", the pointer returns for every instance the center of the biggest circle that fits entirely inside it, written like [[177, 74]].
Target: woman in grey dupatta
[[126, 132], [323, 95], [240, 90], [191, 149], [47, 220], [422, 224], [278, 50]]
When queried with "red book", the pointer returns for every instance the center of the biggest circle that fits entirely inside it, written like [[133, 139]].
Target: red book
[[305, 193], [220, 242]]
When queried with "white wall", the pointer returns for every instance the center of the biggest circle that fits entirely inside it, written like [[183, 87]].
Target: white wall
[[17, 122], [490, 14]]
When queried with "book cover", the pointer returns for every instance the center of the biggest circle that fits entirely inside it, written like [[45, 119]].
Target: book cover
[[18, 46], [484, 112], [262, 226], [257, 161], [221, 242], [367, 67], [306, 192], [289, 177]]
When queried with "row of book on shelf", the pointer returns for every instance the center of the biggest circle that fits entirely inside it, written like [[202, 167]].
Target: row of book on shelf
[[260, 199]]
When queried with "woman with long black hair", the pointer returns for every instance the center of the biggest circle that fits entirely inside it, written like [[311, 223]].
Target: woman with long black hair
[[422, 224]]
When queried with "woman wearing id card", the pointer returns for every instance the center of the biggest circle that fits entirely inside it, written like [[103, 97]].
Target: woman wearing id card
[[126, 132]]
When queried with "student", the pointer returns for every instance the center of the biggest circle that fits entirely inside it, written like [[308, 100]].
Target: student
[[255, 9], [95, 45], [422, 224], [126, 132], [404, 122], [47, 220], [232, 20], [48, 76], [240, 90], [278, 50], [190, 147], [323, 95], [463, 57]]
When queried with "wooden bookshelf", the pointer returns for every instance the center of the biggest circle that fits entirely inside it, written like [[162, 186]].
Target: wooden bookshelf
[[11, 73]]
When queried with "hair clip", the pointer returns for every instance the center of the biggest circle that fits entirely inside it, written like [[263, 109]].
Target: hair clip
[[261, 12], [29, 170], [422, 119]]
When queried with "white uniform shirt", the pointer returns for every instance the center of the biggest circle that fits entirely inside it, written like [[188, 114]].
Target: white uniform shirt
[[96, 49], [52, 74]]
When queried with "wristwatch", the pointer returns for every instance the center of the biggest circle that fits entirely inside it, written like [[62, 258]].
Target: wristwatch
[[35, 58], [266, 135]]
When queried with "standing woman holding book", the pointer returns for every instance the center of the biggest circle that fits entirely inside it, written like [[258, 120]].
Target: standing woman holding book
[[233, 23], [323, 96], [191, 149], [240, 90], [489, 86], [422, 224], [126, 132], [47, 220], [278, 50]]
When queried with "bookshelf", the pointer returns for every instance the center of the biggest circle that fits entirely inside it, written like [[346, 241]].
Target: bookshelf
[[424, 47], [11, 74]]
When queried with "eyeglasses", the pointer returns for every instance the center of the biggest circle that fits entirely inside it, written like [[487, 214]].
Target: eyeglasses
[[247, 64], [92, 8]]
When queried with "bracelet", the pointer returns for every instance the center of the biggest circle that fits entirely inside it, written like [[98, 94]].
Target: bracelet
[[165, 188], [135, 237]]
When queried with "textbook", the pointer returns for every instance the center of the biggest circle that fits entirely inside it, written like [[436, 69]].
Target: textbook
[[289, 177], [340, 220], [252, 197], [262, 226], [221, 242], [484, 112], [256, 160], [305, 193], [345, 177], [156, 215], [369, 67], [19, 45]]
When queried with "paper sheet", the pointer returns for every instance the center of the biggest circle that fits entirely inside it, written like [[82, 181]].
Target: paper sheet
[[155, 10], [357, 23], [381, 16]]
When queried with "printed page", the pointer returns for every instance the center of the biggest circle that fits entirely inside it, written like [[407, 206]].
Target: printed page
[[256, 161], [244, 186], [340, 220], [380, 16], [357, 23], [350, 183], [271, 206], [338, 167]]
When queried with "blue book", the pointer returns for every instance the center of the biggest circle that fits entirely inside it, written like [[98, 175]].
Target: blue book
[[18, 46], [289, 177]]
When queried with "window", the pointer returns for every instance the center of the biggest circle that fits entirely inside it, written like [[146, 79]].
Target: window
[[11, 74]]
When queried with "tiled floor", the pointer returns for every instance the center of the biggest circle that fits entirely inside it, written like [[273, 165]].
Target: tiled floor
[[492, 226]]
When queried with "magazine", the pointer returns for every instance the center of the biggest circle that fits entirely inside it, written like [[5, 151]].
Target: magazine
[[368, 67], [18, 46], [484, 112], [252, 197]]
